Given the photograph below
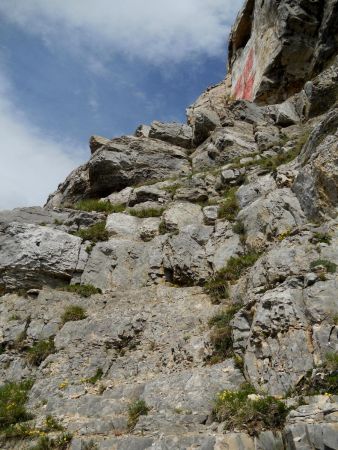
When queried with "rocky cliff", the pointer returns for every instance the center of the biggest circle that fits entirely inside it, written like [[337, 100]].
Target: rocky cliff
[[179, 290]]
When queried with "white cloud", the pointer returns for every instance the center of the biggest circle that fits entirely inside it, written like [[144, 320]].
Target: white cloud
[[157, 31], [32, 164]]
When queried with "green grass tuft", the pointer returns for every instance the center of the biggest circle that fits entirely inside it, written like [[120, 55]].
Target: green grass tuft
[[237, 265], [94, 233], [146, 212], [99, 206], [60, 443], [13, 397], [135, 410], [73, 313], [221, 334], [239, 412], [324, 238], [329, 266], [229, 207], [84, 290], [39, 351]]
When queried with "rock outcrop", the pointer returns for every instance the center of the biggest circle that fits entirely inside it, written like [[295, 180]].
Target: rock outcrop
[[179, 290]]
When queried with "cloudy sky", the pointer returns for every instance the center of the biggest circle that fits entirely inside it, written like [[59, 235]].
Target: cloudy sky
[[72, 68]]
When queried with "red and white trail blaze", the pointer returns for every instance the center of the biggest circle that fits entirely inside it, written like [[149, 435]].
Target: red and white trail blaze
[[244, 86]]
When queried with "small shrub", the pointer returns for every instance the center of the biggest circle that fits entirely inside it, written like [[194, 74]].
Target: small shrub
[[331, 361], [162, 229], [221, 334], [94, 233], [98, 375], [329, 266], [324, 238], [335, 319], [84, 290], [99, 206], [244, 410], [89, 446], [135, 410], [73, 313], [229, 208], [13, 397], [217, 288], [15, 317], [58, 222], [52, 424], [238, 227], [39, 351], [146, 212], [172, 189], [60, 443], [238, 264]]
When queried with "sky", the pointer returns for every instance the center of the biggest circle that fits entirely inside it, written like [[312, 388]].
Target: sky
[[73, 68]]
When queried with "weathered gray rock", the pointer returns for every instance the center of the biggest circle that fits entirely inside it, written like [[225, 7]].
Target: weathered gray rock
[[174, 133], [316, 185], [122, 162], [224, 145], [269, 216], [32, 256], [142, 131], [185, 260], [148, 194], [180, 214], [96, 142]]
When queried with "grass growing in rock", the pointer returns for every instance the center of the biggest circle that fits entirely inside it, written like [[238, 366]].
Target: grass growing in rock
[[246, 411], [217, 288], [229, 207], [237, 265], [84, 290], [324, 238], [73, 313], [328, 265], [135, 410], [94, 233], [13, 397], [98, 205], [95, 378], [60, 443], [39, 351], [146, 212], [221, 334]]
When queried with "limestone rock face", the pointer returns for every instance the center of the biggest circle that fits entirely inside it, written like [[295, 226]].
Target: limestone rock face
[[212, 262], [32, 256], [275, 47]]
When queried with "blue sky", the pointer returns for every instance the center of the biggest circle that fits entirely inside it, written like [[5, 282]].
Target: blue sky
[[72, 68]]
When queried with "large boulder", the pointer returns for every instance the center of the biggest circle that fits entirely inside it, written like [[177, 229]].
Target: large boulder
[[123, 162], [32, 256], [174, 133]]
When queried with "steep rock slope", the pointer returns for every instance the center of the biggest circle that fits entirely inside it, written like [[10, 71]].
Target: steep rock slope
[[179, 290]]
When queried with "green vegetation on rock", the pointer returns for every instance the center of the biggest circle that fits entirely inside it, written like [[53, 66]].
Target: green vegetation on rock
[[229, 207], [13, 397], [221, 334], [135, 410], [94, 233], [73, 313], [146, 212], [39, 351], [99, 206], [328, 265], [249, 412], [84, 290]]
